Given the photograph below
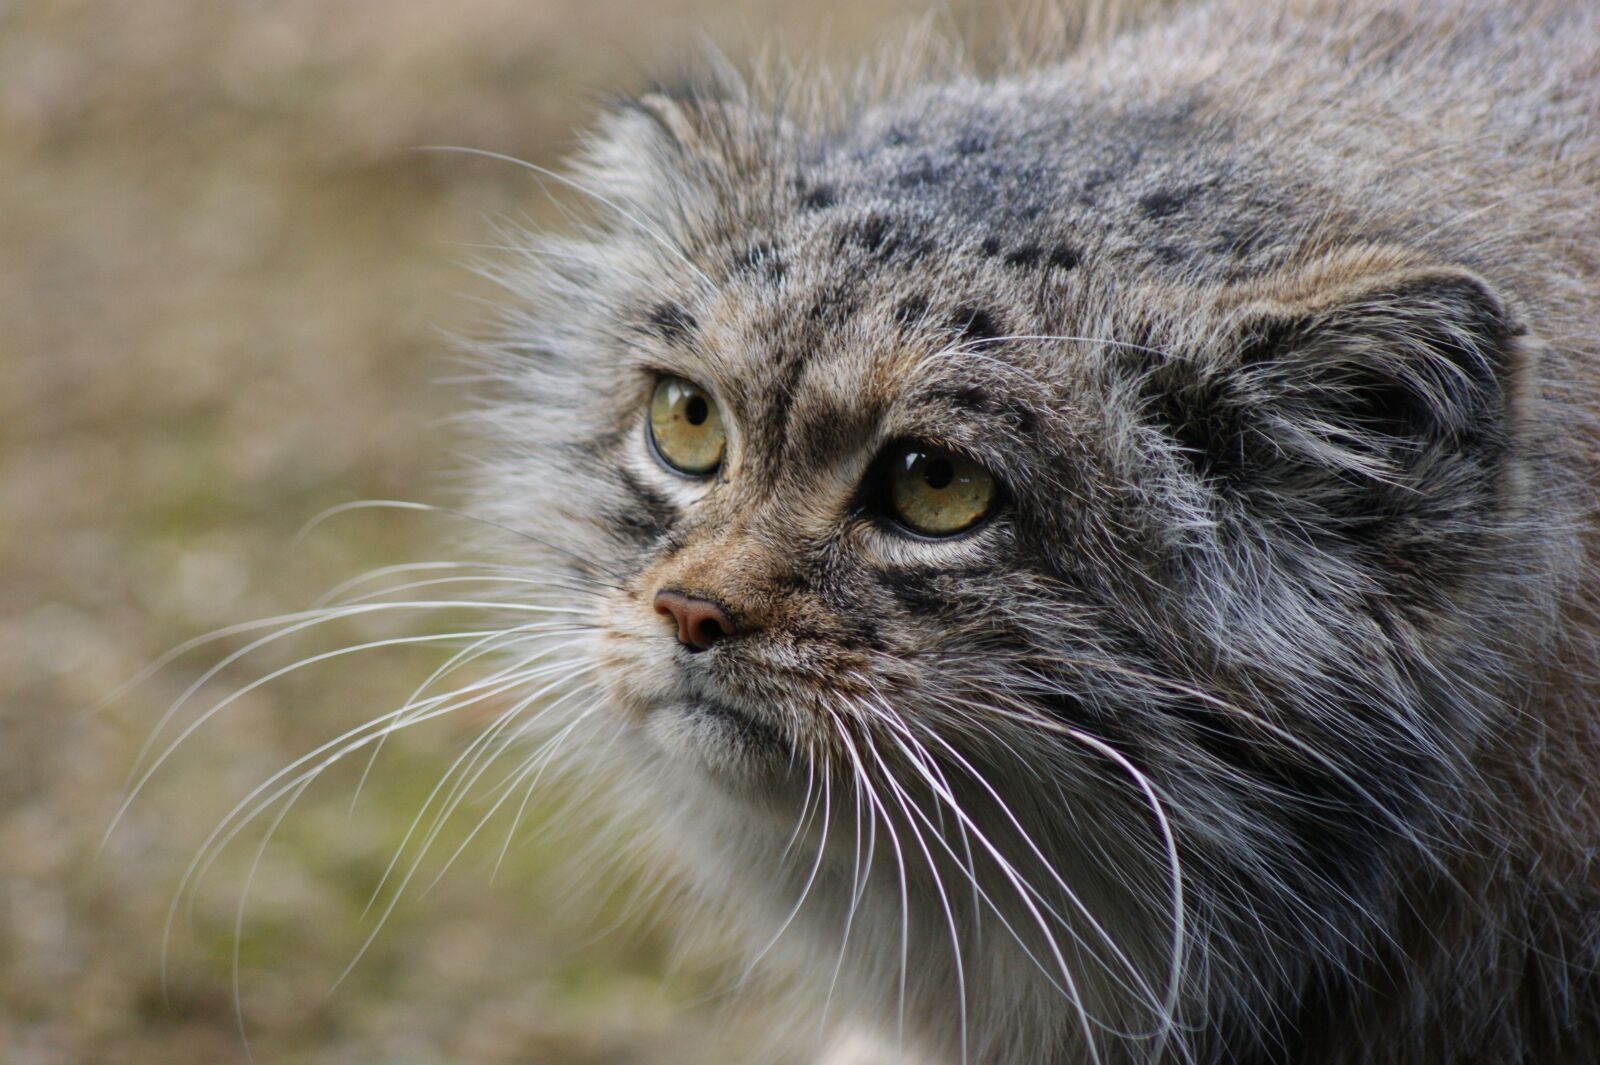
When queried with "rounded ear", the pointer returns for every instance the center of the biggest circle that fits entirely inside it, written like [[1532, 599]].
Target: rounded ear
[[1384, 373], [690, 120], [660, 154], [1368, 400]]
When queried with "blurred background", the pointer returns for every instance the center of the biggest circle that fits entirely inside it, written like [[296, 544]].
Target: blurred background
[[225, 283]]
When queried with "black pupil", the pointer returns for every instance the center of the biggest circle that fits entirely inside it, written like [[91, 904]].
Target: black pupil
[[938, 473], [696, 410]]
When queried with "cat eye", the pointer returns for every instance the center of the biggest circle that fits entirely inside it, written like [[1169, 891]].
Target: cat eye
[[686, 427], [932, 491]]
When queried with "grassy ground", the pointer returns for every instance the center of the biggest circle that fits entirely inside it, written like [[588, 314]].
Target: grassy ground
[[223, 272]]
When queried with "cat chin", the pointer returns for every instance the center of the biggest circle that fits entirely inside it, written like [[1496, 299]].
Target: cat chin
[[729, 745]]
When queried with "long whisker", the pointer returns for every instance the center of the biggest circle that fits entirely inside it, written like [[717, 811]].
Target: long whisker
[[1026, 892], [645, 227], [583, 561], [912, 812], [422, 853], [299, 622], [541, 583], [536, 765], [488, 644], [323, 757], [562, 670], [859, 873], [876, 809], [1127, 965], [189, 730], [533, 783], [372, 576], [233, 823], [805, 891]]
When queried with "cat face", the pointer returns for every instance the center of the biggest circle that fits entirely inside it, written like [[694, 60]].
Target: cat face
[[1127, 602]]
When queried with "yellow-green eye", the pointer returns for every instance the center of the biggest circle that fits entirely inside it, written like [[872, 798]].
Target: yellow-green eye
[[685, 427], [933, 491]]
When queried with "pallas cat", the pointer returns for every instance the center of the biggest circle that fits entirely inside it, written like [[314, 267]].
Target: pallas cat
[[1092, 562]]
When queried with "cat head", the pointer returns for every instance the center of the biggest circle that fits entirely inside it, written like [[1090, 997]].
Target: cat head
[[896, 455]]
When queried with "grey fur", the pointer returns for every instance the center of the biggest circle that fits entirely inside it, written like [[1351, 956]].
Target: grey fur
[[1259, 725]]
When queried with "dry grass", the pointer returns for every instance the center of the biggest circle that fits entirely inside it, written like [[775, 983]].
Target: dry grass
[[223, 272]]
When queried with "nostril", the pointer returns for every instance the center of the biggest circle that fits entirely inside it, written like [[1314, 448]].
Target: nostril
[[700, 622], [707, 630]]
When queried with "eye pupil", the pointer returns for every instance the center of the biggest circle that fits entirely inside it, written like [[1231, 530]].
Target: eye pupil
[[696, 410], [939, 473]]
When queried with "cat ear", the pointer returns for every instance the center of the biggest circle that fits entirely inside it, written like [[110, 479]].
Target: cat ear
[[1367, 399], [691, 120], [661, 153]]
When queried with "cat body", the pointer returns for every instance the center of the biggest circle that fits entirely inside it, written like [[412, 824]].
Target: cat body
[[1253, 721]]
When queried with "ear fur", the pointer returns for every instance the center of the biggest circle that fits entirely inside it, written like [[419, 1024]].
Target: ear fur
[[1368, 400], [665, 152]]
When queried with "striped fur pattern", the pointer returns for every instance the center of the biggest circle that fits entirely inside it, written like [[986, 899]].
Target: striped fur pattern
[[1258, 725]]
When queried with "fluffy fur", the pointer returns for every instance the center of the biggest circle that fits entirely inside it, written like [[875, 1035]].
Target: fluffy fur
[[1259, 724]]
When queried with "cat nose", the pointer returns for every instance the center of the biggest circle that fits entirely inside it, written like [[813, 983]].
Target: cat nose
[[701, 622]]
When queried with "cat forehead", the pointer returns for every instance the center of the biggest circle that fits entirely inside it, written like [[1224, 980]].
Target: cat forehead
[[830, 354]]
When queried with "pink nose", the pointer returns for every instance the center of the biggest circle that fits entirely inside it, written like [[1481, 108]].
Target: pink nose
[[701, 622]]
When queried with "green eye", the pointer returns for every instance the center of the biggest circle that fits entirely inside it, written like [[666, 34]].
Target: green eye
[[685, 427], [933, 491]]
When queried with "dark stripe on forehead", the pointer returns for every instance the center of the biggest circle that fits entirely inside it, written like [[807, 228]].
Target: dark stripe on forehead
[[774, 425], [671, 322]]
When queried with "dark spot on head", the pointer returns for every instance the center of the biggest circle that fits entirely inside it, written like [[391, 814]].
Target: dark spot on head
[[898, 135], [1064, 257], [973, 398], [834, 303], [920, 173], [871, 232], [817, 197], [883, 239], [972, 144], [975, 323], [1094, 179], [911, 310], [1171, 254], [1234, 245], [967, 397], [1162, 203], [990, 246], [671, 322], [1024, 255], [760, 258]]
